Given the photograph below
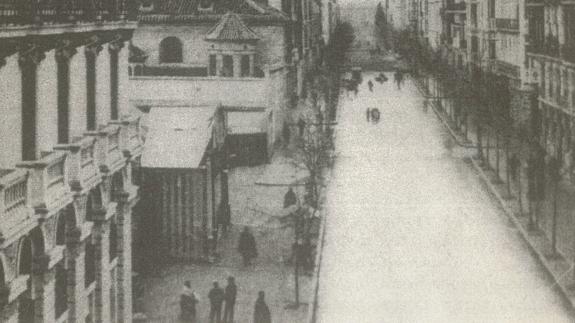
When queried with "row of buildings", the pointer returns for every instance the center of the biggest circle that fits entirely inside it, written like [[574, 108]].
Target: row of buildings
[[519, 53], [91, 91]]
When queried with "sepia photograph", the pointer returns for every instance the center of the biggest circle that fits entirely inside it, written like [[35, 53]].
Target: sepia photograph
[[287, 161]]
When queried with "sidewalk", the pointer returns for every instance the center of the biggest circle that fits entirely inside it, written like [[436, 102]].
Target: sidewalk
[[256, 198], [558, 266]]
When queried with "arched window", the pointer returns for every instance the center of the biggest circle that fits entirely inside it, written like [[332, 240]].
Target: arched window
[[171, 50]]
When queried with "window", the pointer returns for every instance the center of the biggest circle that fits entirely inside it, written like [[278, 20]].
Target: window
[[213, 65], [89, 263], [228, 66], [245, 65], [171, 50], [492, 50]]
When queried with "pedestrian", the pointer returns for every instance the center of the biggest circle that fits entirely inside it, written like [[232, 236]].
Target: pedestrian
[[290, 198], [230, 299], [286, 134], [247, 246], [188, 301], [514, 164], [398, 77], [261, 311], [368, 114], [370, 85], [301, 126], [216, 296]]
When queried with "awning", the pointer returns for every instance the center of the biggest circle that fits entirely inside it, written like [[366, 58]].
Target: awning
[[252, 122], [177, 137]]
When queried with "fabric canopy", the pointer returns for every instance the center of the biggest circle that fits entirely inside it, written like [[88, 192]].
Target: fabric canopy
[[177, 137]]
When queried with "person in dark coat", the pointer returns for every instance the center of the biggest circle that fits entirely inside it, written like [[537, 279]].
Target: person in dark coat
[[261, 311], [290, 198], [188, 301], [286, 134], [368, 114], [230, 299], [216, 296], [370, 85], [247, 246]]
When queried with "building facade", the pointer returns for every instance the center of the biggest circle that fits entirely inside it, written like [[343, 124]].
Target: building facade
[[68, 168]]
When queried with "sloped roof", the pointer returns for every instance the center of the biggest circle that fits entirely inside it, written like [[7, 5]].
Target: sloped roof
[[177, 137], [231, 28], [182, 11]]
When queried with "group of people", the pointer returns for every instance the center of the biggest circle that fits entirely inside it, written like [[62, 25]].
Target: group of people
[[219, 298], [381, 78]]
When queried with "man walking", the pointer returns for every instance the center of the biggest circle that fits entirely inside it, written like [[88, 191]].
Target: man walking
[[230, 299], [261, 311], [216, 296], [247, 246]]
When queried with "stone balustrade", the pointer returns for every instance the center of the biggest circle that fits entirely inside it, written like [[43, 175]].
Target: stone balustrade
[[15, 211], [47, 185]]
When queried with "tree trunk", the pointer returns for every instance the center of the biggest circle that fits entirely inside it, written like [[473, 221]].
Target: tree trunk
[[554, 225]]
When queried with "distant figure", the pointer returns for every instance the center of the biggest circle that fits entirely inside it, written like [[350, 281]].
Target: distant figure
[[368, 114], [301, 126], [514, 164], [375, 115], [290, 198], [230, 299], [216, 296], [398, 77], [370, 85], [247, 246], [261, 311], [286, 134], [188, 301]]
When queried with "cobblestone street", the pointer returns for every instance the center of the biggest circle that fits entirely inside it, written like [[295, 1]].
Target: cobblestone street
[[256, 197]]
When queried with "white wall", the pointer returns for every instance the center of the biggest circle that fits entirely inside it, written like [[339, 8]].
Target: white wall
[[199, 91], [47, 103], [10, 112], [78, 94], [270, 48], [103, 90]]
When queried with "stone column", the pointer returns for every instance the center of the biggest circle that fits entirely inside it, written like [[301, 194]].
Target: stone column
[[124, 278], [237, 65], [103, 284], [219, 64], [77, 308], [44, 279]]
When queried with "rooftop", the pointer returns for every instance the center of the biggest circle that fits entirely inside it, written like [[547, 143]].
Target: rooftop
[[231, 28]]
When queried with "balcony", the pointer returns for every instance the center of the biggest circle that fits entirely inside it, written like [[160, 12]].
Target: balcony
[[15, 213], [32, 12], [107, 153], [173, 71], [47, 183], [83, 171], [505, 24]]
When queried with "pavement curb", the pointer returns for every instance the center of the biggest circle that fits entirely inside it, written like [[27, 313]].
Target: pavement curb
[[541, 258]]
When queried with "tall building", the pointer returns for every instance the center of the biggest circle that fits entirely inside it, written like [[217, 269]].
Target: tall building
[[551, 69], [68, 167]]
